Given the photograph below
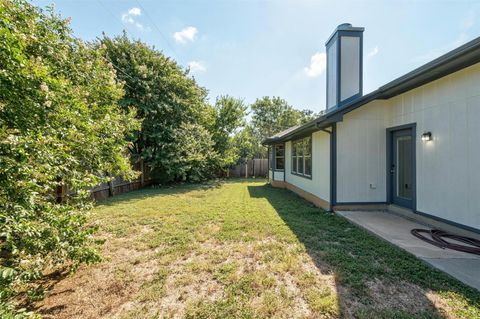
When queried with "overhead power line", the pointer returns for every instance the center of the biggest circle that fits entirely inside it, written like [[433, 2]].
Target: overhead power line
[[108, 61], [158, 29]]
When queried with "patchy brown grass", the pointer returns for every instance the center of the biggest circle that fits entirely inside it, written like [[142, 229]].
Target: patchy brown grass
[[245, 250]]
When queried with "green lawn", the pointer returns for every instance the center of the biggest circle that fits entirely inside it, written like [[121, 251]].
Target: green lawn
[[242, 249]]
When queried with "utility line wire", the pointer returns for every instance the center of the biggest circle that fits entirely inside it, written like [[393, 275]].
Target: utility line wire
[[158, 29], [108, 61]]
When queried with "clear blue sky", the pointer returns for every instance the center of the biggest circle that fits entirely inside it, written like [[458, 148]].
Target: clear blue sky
[[250, 49]]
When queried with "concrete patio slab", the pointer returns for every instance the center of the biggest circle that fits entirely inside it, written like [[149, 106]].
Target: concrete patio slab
[[396, 230]]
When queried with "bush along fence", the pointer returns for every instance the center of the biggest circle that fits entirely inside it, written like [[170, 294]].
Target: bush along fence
[[257, 167], [118, 185]]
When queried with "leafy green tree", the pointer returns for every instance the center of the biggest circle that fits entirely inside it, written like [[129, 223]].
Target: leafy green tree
[[246, 145], [271, 115], [59, 126], [170, 105], [229, 117]]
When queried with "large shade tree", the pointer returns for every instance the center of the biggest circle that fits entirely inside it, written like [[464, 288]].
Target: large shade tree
[[174, 139], [229, 118], [271, 115]]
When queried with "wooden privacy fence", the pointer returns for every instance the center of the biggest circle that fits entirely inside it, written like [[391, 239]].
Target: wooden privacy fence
[[251, 168], [257, 167], [119, 185]]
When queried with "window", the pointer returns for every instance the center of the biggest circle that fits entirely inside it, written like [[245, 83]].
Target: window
[[302, 157], [270, 157], [279, 156], [307, 156], [294, 159]]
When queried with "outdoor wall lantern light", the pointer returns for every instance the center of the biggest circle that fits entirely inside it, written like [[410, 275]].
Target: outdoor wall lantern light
[[427, 136]]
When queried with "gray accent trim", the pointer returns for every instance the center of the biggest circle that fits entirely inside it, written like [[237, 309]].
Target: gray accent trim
[[284, 160], [341, 31], [273, 163], [299, 175], [333, 161], [390, 130], [274, 157], [446, 221], [311, 159], [455, 60], [333, 165], [268, 159], [361, 203], [343, 27]]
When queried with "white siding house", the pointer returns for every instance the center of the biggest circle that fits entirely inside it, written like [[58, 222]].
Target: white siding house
[[413, 143]]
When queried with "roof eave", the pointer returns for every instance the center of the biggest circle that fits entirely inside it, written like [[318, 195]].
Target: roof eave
[[455, 60]]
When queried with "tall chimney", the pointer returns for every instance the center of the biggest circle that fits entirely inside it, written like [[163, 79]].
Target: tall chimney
[[344, 65]]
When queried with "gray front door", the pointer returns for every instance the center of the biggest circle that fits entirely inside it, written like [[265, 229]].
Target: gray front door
[[402, 168]]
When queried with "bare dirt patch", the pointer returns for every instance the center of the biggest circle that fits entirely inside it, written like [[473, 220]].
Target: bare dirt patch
[[98, 291], [125, 284], [246, 250], [403, 296]]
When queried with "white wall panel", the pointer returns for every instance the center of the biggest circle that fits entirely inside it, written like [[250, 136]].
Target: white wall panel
[[319, 185], [350, 70], [361, 155], [332, 75], [278, 176], [448, 167]]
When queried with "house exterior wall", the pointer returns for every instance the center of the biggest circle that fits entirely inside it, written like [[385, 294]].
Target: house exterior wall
[[278, 176], [447, 168], [361, 155], [319, 184]]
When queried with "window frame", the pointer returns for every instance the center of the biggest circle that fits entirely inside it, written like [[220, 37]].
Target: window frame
[[269, 156], [275, 157], [303, 142]]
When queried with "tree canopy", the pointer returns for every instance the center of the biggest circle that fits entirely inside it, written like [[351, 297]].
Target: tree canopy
[[171, 106], [229, 118], [76, 114], [271, 115], [59, 125]]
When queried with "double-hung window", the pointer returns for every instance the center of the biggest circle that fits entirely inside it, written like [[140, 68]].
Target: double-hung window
[[280, 157], [302, 157]]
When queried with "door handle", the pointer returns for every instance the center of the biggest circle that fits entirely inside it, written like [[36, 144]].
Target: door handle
[[392, 169]]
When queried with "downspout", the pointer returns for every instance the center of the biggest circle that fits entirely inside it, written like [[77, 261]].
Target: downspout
[[268, 162], [273, 162], [333, 166], [284, 162]]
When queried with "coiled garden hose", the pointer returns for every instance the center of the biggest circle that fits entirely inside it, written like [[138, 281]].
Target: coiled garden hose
[[437, 238]]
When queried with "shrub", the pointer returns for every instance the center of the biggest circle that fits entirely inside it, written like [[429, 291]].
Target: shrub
[[59, 126]]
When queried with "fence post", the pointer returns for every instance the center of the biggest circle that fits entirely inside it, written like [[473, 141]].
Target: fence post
[[253, 168], [142, 175], [110, 188]]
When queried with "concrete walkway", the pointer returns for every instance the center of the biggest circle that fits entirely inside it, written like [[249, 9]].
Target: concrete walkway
[[396, 229]]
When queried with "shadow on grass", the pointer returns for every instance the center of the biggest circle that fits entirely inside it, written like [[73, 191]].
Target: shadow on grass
[[373, 277]]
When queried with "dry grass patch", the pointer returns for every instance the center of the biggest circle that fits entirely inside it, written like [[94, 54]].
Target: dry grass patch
[[246, 250]]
